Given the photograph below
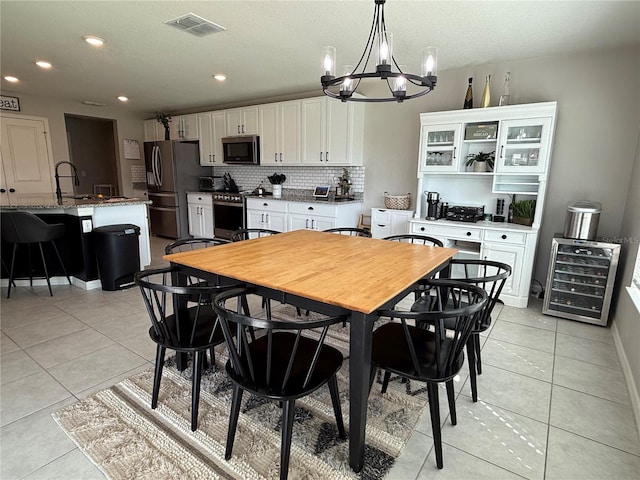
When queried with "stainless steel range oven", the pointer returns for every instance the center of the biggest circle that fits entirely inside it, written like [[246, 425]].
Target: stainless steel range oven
[[228, 213]]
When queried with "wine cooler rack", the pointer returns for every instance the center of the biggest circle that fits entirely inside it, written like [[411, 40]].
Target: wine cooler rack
[[580, 279]]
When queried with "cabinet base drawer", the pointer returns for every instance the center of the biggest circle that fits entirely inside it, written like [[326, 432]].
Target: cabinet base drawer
[[446, 231], [505, 237]]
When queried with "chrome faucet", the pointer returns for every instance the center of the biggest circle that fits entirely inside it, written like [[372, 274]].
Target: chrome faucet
[[76, 178]]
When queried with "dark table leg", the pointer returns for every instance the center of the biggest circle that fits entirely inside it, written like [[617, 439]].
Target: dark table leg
[[180, 307], [361, 327]]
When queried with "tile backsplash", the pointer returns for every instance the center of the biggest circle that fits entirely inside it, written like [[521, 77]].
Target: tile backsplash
[[302, 178]]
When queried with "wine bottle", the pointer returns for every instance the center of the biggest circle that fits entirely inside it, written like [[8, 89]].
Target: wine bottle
[[468, 98], [486, 95], [505, 98]]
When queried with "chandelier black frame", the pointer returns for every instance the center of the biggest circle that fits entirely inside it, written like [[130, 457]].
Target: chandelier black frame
[[383, 71]]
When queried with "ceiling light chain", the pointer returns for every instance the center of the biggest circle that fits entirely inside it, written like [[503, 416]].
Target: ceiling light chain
[[345, 86]]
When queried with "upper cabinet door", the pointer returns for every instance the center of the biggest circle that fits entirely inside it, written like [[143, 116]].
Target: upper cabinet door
[[440, 148], [289, 134], [269, 145], [313, 130], [205, 134], [242, 121], [524, 145]]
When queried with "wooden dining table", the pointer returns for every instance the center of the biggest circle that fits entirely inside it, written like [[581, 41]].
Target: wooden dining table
[[331, 274]]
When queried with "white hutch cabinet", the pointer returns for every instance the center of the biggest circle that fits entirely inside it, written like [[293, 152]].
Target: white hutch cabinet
[[521, 136]]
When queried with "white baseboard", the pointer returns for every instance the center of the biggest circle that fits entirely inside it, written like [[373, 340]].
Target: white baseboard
[[41, 282], [634, 395]]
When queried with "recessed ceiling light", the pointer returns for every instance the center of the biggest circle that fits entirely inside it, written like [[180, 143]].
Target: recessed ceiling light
[[122, 98], [93, 40], [11, 78], [43, 64], [220, 77]]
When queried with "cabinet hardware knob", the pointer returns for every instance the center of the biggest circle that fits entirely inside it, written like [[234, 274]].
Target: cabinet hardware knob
[[12, 190], [310, 208], [2, 190], [504, 237], [265, 204], [422, 229], [468, 234]]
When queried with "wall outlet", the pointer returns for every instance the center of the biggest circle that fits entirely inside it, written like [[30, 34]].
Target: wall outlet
[[86, 225]]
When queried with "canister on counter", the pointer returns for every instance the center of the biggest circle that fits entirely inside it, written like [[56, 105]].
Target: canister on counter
[[444, 207]]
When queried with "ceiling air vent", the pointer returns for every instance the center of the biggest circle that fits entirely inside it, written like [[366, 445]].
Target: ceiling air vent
[[195, 25]]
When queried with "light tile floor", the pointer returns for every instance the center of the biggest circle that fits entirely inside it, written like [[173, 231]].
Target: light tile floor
[[553, 403]]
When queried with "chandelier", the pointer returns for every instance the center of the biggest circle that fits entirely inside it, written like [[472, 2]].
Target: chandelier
[[387, 69]]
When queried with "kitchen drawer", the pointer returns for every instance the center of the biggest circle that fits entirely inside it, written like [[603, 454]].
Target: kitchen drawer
[[313, 209], [518, 238], [447, 231], [199, 199], [266, 204], [380, 216]]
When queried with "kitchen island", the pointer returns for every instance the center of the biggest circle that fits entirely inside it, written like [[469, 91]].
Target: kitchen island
[[80, 216]]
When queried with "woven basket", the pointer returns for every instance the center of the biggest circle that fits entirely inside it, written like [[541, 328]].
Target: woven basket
[[397, 202]]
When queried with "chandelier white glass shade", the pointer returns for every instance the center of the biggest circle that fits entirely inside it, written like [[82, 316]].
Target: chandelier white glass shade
[[380, 44]]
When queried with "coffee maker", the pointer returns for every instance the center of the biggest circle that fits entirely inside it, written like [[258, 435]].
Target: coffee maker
[[433, 199]]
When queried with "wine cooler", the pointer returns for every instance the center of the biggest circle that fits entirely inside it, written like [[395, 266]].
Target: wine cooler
[[580, 280]]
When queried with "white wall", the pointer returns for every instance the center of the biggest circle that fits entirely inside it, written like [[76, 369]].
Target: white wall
[[598, 116], [626, 317], [129, 126]]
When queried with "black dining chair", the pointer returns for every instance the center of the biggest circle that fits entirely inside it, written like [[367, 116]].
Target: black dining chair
[[194, 330], [249, 233], [425, 351], [416, 239], [352, 231], [489, 275], [189, 244], [281, 365], [24, 228]]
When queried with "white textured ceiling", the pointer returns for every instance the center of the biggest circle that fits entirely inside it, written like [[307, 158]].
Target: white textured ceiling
[[272, 48]]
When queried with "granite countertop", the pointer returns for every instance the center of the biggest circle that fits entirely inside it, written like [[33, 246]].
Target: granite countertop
[[68, 203], [296, 195]]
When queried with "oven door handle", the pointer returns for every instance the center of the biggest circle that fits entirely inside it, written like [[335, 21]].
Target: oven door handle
[[227, 204]]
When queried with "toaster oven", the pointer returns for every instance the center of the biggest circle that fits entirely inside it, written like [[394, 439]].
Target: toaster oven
[[211, 184]]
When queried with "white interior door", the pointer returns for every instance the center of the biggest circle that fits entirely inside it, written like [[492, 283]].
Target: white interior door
[[26, 160]]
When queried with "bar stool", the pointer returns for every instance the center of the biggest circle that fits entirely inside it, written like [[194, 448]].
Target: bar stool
[[25, 228]]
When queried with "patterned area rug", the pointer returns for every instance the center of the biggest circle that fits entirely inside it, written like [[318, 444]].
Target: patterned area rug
[[117, 429]]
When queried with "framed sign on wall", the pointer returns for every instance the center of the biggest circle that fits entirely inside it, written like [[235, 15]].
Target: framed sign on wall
[[9, 103]]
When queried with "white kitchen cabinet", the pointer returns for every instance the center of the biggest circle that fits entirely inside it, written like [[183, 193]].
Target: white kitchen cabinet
[[153, 130], [524, 145], [26, 162], [318, 216], [332, 132], [184, 127], [521, 137], [512, 255], [200, 210], [439, 148], [211, 129], [280, 133], [242, 121], [386, 222], [270, 214]]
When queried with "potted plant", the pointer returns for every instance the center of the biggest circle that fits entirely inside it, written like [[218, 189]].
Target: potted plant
[[481, 161], [277, 179], [164, 119], [524, 211]]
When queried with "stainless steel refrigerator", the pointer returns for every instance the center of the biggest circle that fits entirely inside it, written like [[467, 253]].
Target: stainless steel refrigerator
[[172, 168]]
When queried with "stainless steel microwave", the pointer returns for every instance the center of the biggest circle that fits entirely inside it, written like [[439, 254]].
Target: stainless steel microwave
[[243, 150]]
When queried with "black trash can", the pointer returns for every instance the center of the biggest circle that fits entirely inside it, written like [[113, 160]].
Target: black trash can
[[118, 255]]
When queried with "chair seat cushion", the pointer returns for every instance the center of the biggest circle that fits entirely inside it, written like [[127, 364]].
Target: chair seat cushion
[[329, 362], [390, 352], [202, 338]]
